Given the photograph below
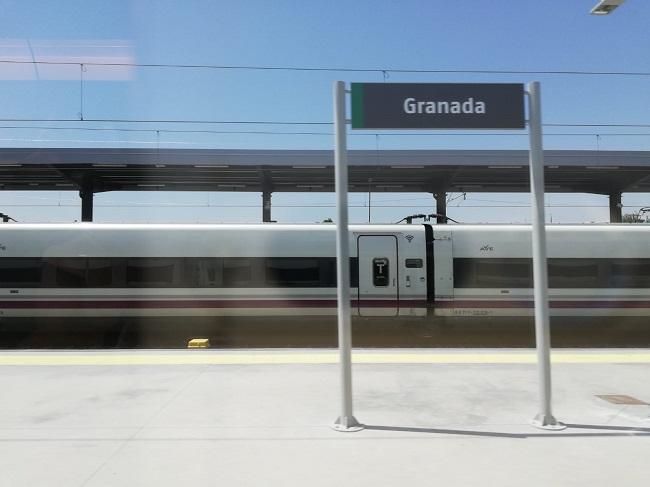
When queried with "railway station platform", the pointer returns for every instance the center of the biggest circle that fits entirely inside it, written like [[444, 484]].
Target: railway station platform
[[254, 418]]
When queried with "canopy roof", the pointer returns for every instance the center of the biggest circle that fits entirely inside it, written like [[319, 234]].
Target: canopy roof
[[103, 169]]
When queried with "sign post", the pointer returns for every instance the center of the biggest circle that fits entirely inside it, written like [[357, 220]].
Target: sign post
[[346, 421], [442, 106], [544, 418]]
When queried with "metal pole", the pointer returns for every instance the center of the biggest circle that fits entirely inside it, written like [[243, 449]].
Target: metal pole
[[346, 421], [544, 418]]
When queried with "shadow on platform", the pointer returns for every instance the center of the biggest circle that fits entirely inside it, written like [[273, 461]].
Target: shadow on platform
[[601, 431]]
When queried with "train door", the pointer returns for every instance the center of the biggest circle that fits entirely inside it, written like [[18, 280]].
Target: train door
[[378, 291], [443, 276], [444, 265]]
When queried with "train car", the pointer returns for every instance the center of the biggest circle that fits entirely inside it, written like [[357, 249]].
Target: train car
[[207, 270], [271, 270], [593, 270]]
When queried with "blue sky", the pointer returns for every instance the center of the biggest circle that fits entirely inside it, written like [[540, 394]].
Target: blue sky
[[459, 35]]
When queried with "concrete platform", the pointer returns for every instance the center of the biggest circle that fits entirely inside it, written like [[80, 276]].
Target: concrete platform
[[206, 417]]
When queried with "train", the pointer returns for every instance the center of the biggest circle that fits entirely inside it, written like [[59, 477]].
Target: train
[[409, 271]]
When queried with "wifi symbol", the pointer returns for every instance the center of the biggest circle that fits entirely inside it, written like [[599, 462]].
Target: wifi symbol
[[409, 237]]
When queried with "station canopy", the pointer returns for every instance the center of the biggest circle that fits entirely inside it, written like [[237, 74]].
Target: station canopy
[[434, 171]]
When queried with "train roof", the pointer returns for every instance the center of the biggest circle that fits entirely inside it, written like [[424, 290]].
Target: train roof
[[609, 227]]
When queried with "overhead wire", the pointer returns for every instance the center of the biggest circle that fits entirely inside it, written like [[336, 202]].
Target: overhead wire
[[276, 122], [179, 121], [272, 132], [383, 71]]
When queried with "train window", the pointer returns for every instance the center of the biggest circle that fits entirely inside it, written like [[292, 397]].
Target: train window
[[76, 272], [328, 271], [69, 272], [354, 272], [563, 273], [574, 273], [213, 272], [631, 273], [191, 274], [203, 272], [145, 272], [493, 273], [293, 272], [507, 273], [99, 272], [21, 272], [414, 263], [464, 274], [237, 272]]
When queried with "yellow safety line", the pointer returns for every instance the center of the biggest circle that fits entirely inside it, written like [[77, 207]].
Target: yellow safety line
[[279, 358]]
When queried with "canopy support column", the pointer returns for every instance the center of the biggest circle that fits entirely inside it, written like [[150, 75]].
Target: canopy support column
[[615, 208], [86, 194], [266, 206], [441, 207]]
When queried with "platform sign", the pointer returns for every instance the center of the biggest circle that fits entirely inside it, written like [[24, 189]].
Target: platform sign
[[437, 106], [440, 106]]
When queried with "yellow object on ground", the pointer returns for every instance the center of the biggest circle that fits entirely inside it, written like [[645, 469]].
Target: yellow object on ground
[[198, 343]]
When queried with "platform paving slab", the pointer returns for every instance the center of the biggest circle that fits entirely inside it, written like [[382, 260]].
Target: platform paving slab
[[268, 424]]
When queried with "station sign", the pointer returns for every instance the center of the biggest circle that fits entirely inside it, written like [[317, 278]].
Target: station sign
[[437, 106]]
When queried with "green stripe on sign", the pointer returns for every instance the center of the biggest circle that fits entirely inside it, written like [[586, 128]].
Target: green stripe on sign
[[357, 105]]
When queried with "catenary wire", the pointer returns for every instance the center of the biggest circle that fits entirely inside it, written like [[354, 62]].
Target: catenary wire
[[330, 69], [271, 132], [268, 122]]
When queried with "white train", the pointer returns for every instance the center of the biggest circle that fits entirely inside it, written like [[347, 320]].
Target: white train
[[270, 270]]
